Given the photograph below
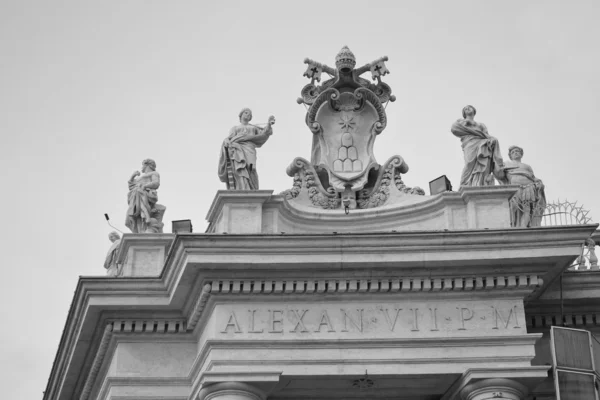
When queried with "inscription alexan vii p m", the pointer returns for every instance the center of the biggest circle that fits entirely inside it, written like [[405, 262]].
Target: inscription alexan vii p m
[[415, 319]]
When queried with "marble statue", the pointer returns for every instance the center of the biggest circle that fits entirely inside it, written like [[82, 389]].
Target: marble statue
[[144, 214], [110, 262], [528, 204], [237, 162], [345, 115], [483, 161]]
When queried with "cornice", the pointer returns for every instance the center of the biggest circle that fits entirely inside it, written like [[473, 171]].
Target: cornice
[[381, 259], [408, 284]]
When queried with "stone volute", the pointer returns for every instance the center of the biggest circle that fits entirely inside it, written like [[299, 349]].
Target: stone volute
[[494, 389], [231, 391]]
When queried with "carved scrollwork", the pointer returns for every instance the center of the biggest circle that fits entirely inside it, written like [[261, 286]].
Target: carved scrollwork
[[374, 100], [309, 93], [318, 195], [327, 95], [383, 91]]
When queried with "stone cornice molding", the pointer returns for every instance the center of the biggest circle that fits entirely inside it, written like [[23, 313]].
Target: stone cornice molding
[[408, 284], [197, 259]]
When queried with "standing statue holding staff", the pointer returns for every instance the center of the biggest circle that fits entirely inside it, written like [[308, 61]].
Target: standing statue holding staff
[[481, 151], [237, 163]]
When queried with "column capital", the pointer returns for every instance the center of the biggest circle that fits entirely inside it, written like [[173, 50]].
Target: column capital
[[231, 391], [494, 389]]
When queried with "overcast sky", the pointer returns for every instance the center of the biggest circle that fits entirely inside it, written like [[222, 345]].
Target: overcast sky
[[90, 89]]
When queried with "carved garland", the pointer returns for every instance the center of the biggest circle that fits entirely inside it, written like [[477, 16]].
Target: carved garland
[[87, 388], [199, 307]]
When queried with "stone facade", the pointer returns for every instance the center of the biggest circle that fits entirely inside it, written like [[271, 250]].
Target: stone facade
[[452, 313]]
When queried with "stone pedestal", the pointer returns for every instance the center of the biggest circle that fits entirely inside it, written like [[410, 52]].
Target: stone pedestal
[[231, 391], [143, 254], [262, 212], [238, 211], [489, 389]]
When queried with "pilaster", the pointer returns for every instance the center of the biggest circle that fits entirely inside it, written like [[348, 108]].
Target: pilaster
[[488, 389], [231, 391]]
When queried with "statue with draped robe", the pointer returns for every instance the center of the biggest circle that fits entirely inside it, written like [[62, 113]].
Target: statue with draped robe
[[481, 151], [144, 214], [528, 204], [237, 162], [110, 262]]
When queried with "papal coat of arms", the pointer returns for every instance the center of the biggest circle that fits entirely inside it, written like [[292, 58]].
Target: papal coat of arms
[[345, 114]]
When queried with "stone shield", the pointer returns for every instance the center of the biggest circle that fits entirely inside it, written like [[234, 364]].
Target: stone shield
[[347, 138]]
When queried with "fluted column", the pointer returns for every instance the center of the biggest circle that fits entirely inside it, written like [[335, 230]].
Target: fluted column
[[231, 391], [495, 389]]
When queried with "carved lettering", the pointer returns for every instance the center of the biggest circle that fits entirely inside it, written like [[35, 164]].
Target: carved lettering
[[252, 330], [391, 324], [358, 325], [299, 323], [232, 321], [415, 321], [275, 320], [325, 321], [434, 326], [498, 315], [463, 317]]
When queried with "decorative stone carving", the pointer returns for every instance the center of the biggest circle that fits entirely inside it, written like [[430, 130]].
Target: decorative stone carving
[[481, 151], [144, 214], [231, 391], [237, 163], [345, 115], [528, 205], [110, 262], [494, 389]]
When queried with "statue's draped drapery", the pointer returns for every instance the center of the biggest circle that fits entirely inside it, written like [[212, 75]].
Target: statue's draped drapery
[[527, 206], [141, 202], [241, 154], [110, 262], [481, 152]]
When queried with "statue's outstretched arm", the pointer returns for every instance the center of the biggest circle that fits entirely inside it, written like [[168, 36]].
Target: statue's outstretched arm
[[268, 130]]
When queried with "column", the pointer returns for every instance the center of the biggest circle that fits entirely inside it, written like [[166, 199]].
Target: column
[[231, 391], [494, 389]]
